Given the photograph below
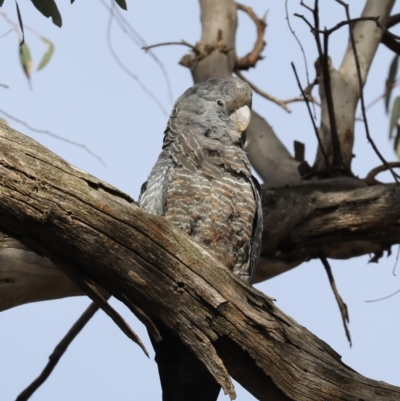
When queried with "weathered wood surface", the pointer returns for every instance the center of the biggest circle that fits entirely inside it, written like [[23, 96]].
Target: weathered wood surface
[[339, 219], [85, 225]]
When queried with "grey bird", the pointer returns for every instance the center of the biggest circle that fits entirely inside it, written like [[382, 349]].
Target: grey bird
[[202, 182]]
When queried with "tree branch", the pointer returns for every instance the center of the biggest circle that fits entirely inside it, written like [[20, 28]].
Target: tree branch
[[59, 351], [251, 58], [345, 84], [84, 224]]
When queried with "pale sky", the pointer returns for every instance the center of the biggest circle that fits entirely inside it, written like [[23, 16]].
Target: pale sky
[[84, 96]]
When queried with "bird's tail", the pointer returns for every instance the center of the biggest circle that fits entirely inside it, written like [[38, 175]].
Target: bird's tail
[[183, 377]]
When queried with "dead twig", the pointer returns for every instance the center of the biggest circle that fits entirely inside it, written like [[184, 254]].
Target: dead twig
[[46, 132], [251, 58], [324, 69], [266, 95], [309, 85], [279, 102], [311, 116], [182, 42], [342, 306], [96, 296], [134, 36], [126, 69], [386, 297], [59, 351], [370, 178]]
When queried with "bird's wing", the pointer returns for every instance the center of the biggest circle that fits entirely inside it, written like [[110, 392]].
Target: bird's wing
[[154, 190], [257, 229]]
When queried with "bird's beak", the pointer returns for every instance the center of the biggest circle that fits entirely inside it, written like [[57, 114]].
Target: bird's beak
[[241, 117]]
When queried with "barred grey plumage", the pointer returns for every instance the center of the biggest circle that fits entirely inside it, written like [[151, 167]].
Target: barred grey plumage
[[202, 182]]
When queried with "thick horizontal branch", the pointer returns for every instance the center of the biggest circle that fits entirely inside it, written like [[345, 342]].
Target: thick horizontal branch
[[338, 218], [84, 224]]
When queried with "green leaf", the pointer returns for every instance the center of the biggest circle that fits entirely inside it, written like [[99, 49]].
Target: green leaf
[[397, 142], [395, 115], [47, 56], [49, 9], [122, 4], [391, 79], [25, 59], [21, 25]]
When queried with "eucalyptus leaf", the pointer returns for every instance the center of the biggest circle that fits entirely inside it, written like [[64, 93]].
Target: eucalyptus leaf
[[21, 25], [25, 59], [397, 142], [122, 4], [395, 115], [391, 79], [49, 9], [47, 56]]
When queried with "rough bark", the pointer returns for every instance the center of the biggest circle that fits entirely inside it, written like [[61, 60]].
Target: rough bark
[[345, 88], [87, 227], [340, 219]]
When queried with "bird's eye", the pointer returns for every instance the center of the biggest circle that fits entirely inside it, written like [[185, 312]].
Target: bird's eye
[[220, 103]]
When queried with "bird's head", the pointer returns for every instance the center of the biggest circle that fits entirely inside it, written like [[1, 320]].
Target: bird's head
[[219, 108]]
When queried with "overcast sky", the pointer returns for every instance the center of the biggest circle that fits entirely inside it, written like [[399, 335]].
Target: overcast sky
[[84, 96]]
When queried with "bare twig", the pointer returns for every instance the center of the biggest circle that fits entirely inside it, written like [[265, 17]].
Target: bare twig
[[370, 178], [326, 78], [302, 99], [359, 76], [336, 149], [396, 261], [342, 306], [87, 287], [128, 29], [306, 6], [251, 58], [59, 351], [375, 101], [386, 297], [301, 16], [279, 102], [337, 160], [6, 33], [310, 112], [14, 25], [126, 69], [301, 46], [182, 42], [350, 21], [46, 132], [256, 89]]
